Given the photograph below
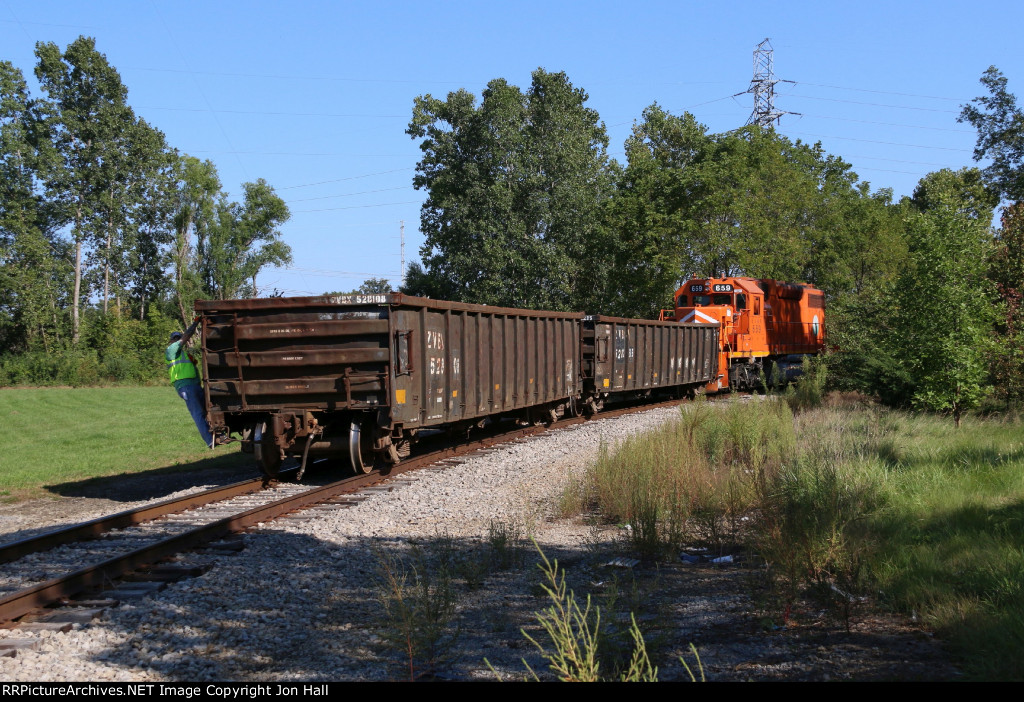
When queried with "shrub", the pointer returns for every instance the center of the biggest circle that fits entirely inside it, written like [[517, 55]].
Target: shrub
[[809, 391]]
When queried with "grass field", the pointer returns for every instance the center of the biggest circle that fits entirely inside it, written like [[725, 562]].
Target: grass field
[[848, 497], [56, 436]]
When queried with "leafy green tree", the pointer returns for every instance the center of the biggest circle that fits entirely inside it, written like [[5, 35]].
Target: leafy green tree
[[241, 240], [1006, 270], [194, 192], [370, 286], [98, 215], [745, 203], [131, 165], [33, 263], [86, 113], [944, 309], [1000, 125], [657, 243], [374, 286], [516, 189], [420, 283], [152, 236]]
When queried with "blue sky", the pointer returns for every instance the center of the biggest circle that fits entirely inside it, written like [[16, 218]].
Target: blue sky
[[315, 96]]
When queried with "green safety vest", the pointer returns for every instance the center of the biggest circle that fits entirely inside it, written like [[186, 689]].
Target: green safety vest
[[181, 368]]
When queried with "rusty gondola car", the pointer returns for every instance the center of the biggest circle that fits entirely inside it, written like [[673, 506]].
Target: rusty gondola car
[[363, 375], [638, 358]]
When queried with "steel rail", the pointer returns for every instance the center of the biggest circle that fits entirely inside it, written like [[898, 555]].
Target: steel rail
[[97, 527], [25, 601], [20, 603]]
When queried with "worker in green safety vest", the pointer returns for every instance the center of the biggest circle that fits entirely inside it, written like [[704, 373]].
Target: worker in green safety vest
[[181, 369]]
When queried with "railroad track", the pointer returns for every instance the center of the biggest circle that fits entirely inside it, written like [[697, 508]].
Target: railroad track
[[48, 569]]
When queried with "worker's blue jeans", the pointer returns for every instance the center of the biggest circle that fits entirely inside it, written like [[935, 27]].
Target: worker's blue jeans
[[193, 397]]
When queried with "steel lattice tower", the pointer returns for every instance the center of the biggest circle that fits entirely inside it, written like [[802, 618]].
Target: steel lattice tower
[[762, 85]]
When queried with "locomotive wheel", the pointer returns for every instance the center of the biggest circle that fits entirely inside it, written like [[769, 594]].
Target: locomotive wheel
[[268, 456], [360, 448]]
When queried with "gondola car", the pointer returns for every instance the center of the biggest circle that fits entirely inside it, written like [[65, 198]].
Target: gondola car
[[364, 375]]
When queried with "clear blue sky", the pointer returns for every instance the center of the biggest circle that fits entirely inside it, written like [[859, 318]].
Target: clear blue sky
[[315, 96]]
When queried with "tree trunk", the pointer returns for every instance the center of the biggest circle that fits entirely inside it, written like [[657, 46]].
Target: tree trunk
[[106, 272], [180, 265], [78, 289], [78, 273]]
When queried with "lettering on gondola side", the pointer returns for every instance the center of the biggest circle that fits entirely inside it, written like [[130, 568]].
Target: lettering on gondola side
[[358, 299], [435, 342], [620, 344]]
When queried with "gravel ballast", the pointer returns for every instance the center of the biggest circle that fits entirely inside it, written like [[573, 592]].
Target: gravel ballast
[[301, 600]]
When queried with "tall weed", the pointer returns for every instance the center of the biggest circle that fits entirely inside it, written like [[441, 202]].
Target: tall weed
[[418, 604], [573, 637], [694, 478], [809, 391]]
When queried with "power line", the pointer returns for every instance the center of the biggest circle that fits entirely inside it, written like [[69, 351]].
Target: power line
[[847, 157], [892, 124], [358, 225], [272, 114], [887, 170], [881, 92], [874, 104], [270, 76], [359, 207], [333, 274], [338, 180], [45, 24], [202, 93], [682, 109], [887, 143], [293, 153], [365, 192]]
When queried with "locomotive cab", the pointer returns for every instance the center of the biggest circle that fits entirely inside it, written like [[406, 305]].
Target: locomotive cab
[[766, 326]]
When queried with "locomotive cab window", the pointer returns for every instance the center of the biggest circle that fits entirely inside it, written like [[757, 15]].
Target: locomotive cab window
[[741, 301], [681, 301], [722, 299], [757, 304], [701, 300]]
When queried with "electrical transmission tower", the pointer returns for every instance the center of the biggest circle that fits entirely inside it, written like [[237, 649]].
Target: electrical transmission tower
[[762, 85]]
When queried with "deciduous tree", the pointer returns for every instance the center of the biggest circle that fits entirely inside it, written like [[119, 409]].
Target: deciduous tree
[[516, 188], [944, 309], [33, 263], [1000, 125], [87, 111], [241, 240]]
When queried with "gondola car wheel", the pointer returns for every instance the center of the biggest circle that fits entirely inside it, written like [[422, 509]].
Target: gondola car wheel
[[360, 448]]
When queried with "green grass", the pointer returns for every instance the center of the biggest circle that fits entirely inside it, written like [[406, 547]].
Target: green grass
[[850, 497], [951, 537], [56, 436]]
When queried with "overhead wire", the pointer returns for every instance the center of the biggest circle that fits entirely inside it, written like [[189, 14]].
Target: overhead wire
[[338, 180], [876, 141], [873, 104], [359, 207], [199, 88], [364, 192], [271, 114], [881, 92]]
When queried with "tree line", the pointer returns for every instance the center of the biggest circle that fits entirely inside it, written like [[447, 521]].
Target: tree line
[[107, 233], [526, 209]]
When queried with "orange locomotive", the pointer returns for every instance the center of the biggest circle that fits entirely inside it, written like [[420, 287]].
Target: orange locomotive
[[766, 326]]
